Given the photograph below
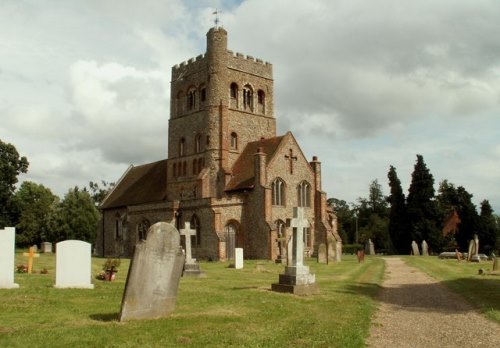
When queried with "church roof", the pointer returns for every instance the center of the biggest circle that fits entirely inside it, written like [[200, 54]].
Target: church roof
[[244, 168], [146, 183]]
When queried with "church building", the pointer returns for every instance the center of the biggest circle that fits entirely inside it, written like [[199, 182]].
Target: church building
[[227, 172]]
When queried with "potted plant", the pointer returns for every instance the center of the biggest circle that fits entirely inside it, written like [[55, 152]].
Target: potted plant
[[110, 268]]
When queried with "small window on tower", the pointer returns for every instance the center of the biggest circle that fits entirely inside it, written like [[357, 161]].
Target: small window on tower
[[234, 140], [203, 94], [182, 147], [261, 97], [197, 143], [234, 90]]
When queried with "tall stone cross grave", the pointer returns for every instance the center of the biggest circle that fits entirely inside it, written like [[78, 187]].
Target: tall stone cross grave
[[31, 254], [191, 267], [187, 232], [297, 279]]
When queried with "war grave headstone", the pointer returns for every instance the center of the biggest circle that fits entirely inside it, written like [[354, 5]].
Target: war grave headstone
[[46, 247], [154, 275], [322, 254], [296, 279], [369, 247], [425, 248], [191, 266], [73, 265], [31, 254], [414, 249], [238, 258], [7, 256]]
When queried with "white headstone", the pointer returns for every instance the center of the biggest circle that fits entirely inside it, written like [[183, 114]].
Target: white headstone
[[238, 258], [7, 255], [46, 247], [73, 265]]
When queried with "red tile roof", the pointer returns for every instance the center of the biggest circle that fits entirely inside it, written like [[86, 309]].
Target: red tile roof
[[243, 170], [142, 184]]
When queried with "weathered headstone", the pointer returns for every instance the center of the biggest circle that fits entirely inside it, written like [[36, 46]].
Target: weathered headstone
[[414, 249], [46, 247], [495, 263], [297, 279], [322, 253], [369, 247], [475, 255], [191, 266], [73, 265], [31, 254], [360, 254], [238, 258], [7, 255], [154, 275], [425, 248]]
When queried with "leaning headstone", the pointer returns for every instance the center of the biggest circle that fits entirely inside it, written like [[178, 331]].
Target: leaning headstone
[[425, 248], [414, 249], [154, 275], [73, 265], [191, 266], [7, 255], [369, 247], [46, 247], [238, 258], [296, 279], [322, 257]]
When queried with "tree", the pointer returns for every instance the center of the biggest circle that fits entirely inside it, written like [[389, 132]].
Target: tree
[[489, 233], [97, 192], [399, 231], [345, 218], [11, 165], [36, 205], [457, 198], [76, 217], [421, 207]]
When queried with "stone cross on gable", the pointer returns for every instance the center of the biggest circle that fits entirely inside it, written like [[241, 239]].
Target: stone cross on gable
[[298, 223], [187, 232], [291, 158]]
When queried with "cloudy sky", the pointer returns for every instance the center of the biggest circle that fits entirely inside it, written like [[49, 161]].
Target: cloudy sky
[[84, 84]]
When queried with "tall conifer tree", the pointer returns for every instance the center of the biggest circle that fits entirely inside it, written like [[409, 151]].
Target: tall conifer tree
[[489, 233], [398, 223], [421, 207]]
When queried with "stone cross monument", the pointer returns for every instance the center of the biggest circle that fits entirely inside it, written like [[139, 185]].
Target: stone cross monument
[[297, 279], [191, 266]]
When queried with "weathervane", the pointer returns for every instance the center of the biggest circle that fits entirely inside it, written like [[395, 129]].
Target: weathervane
[[216, 20]]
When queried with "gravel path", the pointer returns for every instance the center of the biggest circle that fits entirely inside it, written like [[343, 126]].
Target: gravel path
[[415, 310]]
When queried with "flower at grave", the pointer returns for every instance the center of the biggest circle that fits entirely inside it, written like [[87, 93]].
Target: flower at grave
[[44, 271], [111, 265], [22, 268], [101, 275]]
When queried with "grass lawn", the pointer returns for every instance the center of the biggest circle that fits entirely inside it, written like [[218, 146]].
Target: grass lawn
[[227, 308], [483, 291]]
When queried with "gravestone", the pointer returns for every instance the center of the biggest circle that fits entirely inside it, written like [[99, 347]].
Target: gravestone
[[46, 247], [473, 252], [414, 249], [360, 254], [191, 266], [296, 279], [369, 247], [238, 258], [154, 275], [322, 254], [73, 265], [425, 248], [7, 256]]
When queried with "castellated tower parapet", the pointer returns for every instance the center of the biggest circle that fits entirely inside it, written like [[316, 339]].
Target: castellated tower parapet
[[220, 101]]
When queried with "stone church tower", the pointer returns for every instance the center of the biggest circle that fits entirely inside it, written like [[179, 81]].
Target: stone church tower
[[227, 173]]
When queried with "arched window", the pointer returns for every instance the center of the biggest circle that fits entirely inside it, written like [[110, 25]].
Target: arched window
[[304, 194], [195, 167], [184, 168], [142, 229], [278, 192], [200, 164], [191, 99], [234, 90], [174, 170], [195, 225], [230, 231], [261, 97], [248, 97], [197, 143], [203, 94], [182, 147], [234, 141]]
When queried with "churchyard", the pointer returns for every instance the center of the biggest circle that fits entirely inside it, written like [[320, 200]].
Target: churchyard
[[225, 307]]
